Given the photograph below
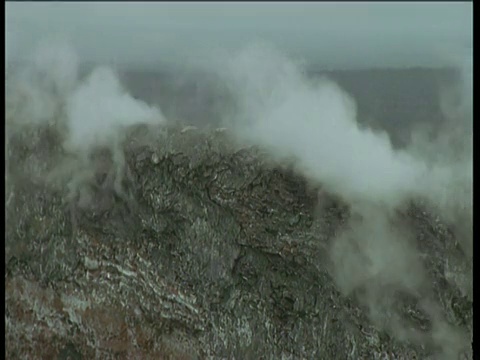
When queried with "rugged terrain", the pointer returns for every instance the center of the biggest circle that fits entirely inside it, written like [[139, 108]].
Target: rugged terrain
[[212, 252]]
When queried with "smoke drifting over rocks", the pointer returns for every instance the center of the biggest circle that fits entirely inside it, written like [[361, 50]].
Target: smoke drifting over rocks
[[312, 122], [86, 114]]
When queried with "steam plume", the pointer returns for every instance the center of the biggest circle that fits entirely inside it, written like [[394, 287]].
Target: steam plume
[[282, 110]]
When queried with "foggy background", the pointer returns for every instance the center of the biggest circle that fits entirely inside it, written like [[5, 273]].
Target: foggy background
[[327, 35]]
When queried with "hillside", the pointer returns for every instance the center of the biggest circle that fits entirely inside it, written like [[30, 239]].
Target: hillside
[[212, 251]]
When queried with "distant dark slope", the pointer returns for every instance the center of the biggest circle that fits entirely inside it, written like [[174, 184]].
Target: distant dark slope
[[193, 97], [391, 99], [396, 99]]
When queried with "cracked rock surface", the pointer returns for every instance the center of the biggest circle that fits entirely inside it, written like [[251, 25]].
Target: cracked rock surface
[[213, 254]]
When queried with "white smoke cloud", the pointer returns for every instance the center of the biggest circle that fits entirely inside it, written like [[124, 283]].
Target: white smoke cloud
[[86, 114], [314, 122], [99, 109]]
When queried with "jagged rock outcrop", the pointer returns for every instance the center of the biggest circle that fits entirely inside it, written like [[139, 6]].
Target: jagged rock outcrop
[[214, 254]]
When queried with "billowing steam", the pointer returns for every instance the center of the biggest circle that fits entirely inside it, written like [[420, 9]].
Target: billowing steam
[[314, 122], [99, 107], [87, 115]]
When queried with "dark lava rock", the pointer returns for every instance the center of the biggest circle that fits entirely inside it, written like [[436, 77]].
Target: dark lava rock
[[213, 253]]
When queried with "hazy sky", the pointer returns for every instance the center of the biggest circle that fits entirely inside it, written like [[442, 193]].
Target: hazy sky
[[336, 34]]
